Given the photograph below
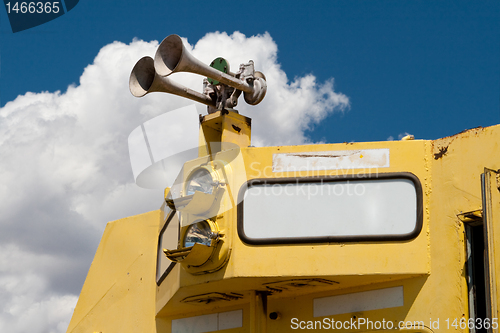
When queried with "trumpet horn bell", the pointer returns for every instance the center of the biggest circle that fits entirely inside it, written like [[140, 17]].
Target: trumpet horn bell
[[260, 88], [144, 80], [172, 57], [169, 57]]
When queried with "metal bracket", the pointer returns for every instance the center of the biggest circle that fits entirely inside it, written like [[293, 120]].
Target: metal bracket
[[472, 218]]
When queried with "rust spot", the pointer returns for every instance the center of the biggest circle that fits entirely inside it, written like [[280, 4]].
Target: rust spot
[[236, 128], [471, 129], [441, 153]]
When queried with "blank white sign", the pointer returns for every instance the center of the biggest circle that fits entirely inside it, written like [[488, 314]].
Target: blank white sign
[[371, 207], [356, 302], [208, 323]]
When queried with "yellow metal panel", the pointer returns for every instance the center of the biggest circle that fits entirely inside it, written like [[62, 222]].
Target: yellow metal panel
[[345, 265], [457, 164], [223, 130], [119, 292], [353, 259], [430, 268]]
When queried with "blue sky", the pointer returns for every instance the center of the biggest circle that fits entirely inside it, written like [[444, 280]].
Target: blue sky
[[338, 71], [429, 68]]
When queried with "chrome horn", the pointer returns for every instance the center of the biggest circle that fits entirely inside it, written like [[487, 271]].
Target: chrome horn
[[144, 80], [172, 57]]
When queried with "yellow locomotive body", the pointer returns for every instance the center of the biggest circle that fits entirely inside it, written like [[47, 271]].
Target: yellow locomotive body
[[353, 237]]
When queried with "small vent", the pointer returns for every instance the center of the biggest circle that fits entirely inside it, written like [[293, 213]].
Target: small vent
[[211, 297], [298, 283]]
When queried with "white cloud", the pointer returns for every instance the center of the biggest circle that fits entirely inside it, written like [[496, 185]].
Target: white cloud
[[65, 168], [289, 108], [28, 303]]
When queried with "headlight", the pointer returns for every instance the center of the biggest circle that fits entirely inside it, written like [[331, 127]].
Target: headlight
[[201, 180], [199, 241], [198, 233]]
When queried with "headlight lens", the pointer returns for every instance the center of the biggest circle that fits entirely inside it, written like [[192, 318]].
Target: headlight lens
[[201, 180], [200, 233]]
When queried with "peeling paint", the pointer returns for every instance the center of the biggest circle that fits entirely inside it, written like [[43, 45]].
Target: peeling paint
[[332, 160]]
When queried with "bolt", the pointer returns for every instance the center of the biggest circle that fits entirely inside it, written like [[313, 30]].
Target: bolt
[[274, 315]]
